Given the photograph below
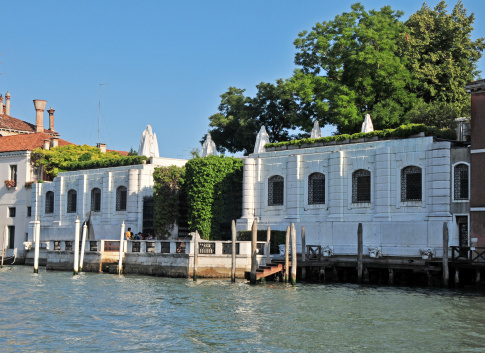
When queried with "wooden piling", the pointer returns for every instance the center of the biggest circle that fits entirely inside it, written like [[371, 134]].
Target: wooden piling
[[77, 223], [477, 277], [287, 256], [391, 277], [233, 252], [268, 245], [457, 278], [446, 274], [37, 245], [335, 274], [429, 274], [254, 248], [360, 252], [366, 276], [3, 242], [196, 255], [303, 253], [122, 241], [293, 254], [83, 247]]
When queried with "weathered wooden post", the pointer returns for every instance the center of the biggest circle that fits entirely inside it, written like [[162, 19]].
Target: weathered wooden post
[[303, 253], [391, 277], [457, 278], [233, 252], [122, 241], [83, 247], [196, 255], [254, 248], [287, 256], [3, 242], [268, 246], [446, 274], [77, 223], [36, 237], [360, 251], [293, 254]]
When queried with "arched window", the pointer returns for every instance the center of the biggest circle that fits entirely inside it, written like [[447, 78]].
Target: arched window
[[96, 200], [411, 184], [276, 188], [460, 182], [316, 188], [121, 198], [49, 202], [71, 201], [361, 186]]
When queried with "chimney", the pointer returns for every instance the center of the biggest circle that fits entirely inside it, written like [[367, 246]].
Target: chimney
[[102, 147], [1, 104], [7, 103], [39, 115], [51, 119], [54, 142], [46, 144]]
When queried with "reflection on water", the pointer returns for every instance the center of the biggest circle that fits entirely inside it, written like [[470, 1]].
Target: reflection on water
[[56, 311]]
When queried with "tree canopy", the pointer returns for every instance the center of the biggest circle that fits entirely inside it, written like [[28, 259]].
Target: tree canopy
[[361, 62]]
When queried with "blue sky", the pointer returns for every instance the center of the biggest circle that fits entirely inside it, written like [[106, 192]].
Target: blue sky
[[166, 63]]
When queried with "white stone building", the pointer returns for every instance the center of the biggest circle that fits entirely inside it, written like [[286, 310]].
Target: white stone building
[[401, 190], [114, 195]]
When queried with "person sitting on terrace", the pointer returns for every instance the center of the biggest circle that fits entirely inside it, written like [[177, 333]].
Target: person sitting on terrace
[[128, 234]]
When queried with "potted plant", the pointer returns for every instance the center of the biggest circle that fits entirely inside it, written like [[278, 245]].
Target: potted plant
[[426, 254], [28, 184], [10, 184]]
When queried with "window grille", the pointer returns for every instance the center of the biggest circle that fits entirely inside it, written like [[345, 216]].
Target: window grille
[[121, 198], [411, 184], [361, 186], [71, 201], [49, 202], [316, 188], [96, 200], [276, 189], [68, 245], [461, 182], [165, 247]]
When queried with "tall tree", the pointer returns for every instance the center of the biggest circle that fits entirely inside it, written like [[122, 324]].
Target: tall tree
[[442, 55], [354, 65], [235, 126]]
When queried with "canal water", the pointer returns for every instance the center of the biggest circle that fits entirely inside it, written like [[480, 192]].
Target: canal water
[[59, 312]]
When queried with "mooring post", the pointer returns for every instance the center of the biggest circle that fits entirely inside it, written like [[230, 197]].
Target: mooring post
[[293, 254], [37, 245], [457, 278], [83, 247], [233, 267], [268, 245], [77, 223], [254, 248], [477, 277], [446, 273], [122, 241], [360, 251], [196, 254], [287, 256], [3, 242], [303, 253]]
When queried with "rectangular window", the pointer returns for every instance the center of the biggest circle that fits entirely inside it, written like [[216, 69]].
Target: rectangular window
[[11, 237], [13, 173], [11, 211], [29, 211]]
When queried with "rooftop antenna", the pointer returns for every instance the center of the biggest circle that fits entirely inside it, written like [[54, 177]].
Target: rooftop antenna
[[99, 106]]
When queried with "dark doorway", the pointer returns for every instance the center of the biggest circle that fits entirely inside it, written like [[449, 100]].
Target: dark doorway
[[148, 216]]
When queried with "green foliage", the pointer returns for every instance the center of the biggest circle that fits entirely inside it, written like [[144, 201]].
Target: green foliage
[[213, 186], [441, 54], [167, 196], [132, 152], [402, 131], [73, 157], [439, 114], [277, 237]]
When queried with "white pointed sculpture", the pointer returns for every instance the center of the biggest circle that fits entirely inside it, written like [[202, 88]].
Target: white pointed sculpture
[[208, 147], [367, 124], [148, 143], [316, 132], [261, 140]]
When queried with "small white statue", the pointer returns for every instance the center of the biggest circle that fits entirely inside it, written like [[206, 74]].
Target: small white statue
[[316, 132], [148, 143], [208, 147], [261, 140], [367, 125]]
